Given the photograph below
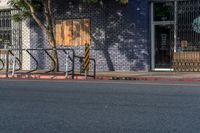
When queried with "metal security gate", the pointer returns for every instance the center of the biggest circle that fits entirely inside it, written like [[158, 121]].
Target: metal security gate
[[187, 52], [188, 25], [10, 32]]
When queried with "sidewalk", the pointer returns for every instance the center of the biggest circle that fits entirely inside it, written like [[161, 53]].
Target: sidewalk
[[119, 75], [170, 76]]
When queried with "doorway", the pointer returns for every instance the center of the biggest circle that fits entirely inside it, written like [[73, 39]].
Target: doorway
[[163, 53], [162, 34]]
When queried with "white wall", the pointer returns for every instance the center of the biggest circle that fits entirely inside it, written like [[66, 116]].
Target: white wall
[[26, 60], [3, 4]]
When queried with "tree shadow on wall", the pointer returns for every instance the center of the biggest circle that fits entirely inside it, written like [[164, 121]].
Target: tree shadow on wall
[[125, 31], [115, 28], [38, 39]]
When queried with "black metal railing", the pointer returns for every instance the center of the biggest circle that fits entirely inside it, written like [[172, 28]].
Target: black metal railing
[[41, 61]]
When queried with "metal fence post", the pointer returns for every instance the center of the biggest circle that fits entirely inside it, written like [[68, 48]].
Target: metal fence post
[[66, 67], [14, 65], [73, 63], [7, 63], [94, 69]]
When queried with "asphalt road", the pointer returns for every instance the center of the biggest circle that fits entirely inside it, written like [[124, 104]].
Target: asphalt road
[[52, 106]]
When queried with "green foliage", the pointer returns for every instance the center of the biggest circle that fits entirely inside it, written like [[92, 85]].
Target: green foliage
[[21, 16], [21, 5], [90, 1], [122, 1], [23, 8], [38, 6]]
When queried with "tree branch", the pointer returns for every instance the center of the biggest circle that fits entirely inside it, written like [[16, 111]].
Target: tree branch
[[48, 17], [36, 18]]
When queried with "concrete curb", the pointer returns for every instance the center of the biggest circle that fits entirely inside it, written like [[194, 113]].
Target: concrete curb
[[156, 79]]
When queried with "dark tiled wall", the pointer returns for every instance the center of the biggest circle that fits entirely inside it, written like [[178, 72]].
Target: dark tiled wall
[[119, 33]]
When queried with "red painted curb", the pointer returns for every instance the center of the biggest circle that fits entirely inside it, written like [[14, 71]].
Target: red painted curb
[[62, 77], [38, 76]]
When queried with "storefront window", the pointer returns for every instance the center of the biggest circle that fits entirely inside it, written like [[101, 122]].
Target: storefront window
[[164, 11], [5, 28]]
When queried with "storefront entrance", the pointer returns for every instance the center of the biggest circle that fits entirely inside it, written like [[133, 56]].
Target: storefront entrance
[[162, 44], [162, 35], [175, 35]]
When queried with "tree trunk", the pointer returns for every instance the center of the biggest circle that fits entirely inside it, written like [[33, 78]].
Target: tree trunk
[[46, 28], [54, 54]]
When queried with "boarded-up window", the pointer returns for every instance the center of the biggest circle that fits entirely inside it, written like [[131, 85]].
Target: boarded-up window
[[58, 32], [73, 32]]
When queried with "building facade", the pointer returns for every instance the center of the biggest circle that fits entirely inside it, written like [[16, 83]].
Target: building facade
[[142, 35]]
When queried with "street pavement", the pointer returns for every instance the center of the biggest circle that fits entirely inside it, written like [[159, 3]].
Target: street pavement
[[60, 106]]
